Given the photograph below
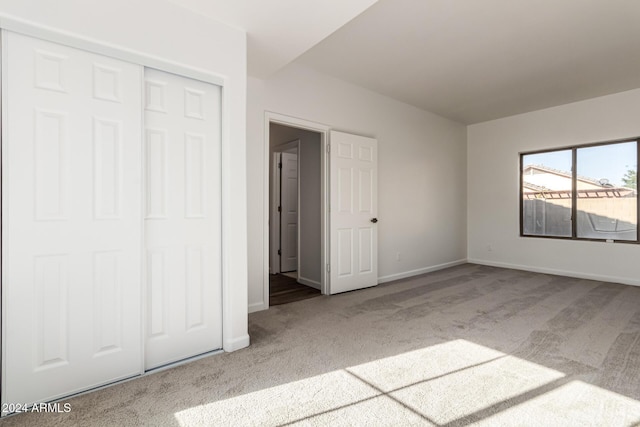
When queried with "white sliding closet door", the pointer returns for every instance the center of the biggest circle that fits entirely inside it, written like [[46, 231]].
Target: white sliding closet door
[[182, 218], [71, 220]]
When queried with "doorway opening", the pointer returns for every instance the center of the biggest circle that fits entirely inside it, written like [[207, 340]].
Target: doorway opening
[[296, 212]]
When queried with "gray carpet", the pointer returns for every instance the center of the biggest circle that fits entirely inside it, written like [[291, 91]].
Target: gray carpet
[[470, 345]]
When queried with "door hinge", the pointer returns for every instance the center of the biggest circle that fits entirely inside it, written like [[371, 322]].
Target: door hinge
[[280, 165], [279, 208], [279, 252], [328, 268], [328, 148]]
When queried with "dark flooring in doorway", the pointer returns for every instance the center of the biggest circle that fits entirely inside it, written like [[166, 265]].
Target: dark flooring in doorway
[[283, 290]]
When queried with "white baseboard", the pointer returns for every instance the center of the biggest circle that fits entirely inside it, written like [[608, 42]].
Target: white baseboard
[[568, 273], [257, 306], [404, 275], [236, 343], [309, 282]]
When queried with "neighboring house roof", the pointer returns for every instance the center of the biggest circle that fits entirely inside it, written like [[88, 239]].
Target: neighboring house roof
[[534, 187], [565, 174], [544, 182]]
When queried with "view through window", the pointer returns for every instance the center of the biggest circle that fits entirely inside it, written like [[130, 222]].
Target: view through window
[[599, 201]]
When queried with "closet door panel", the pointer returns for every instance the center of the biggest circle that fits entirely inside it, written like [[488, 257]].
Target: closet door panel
[[71, 220], [182, 218]]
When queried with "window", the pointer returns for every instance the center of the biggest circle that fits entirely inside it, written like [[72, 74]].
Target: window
[[585, 192]]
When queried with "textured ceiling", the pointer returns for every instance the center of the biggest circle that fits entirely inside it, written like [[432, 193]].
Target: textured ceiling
[[467, 60], [474, 61], [278, 31]]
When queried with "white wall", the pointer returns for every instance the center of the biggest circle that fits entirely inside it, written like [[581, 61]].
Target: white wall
[[157, 28], [493, 212], [422, 169], [310, 210]]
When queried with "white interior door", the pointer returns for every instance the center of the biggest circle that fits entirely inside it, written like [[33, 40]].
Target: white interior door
[[274, 221], [182, 218], [353, 211], [289, 213], [71, 228]]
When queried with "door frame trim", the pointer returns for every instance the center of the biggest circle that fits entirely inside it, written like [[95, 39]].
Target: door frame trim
[[323, 130]]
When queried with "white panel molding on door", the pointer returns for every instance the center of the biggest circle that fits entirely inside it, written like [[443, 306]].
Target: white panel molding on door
[[71, 228], [353, 212], [289, 212], [274, 223], [182, 218]]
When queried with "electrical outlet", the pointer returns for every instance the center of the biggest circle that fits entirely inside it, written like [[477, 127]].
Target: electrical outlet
[[397, 256], [489, 248]]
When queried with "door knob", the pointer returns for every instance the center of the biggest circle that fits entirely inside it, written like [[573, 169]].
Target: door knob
[[374, 220]]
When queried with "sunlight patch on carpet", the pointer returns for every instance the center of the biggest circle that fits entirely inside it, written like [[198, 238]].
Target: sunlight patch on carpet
[[453, 382], [455, 379], [575, 403]]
